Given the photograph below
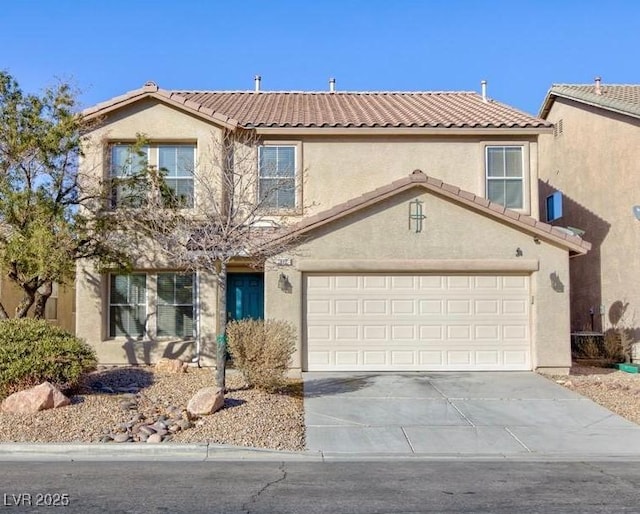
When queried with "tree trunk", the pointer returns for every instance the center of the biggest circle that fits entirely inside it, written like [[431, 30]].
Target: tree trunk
[[221, 339], [3, 312], [42, 295], [25, 304]]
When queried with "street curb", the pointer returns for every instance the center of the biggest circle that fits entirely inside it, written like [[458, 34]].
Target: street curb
[[145, 452], [204, 452]]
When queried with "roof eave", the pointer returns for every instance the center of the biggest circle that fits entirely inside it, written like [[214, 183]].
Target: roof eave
[[166, 97], [536, 228], [548, 103]]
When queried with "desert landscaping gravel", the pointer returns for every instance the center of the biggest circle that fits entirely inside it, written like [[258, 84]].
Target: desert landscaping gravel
[[102, 408], [616, 390]]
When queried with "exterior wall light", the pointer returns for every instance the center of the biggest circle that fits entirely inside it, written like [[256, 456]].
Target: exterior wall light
[[636, 212], [284, 284]]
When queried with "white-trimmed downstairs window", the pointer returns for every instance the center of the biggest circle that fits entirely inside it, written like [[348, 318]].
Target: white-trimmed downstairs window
[[175, 305], [505, 176], [127, 305]]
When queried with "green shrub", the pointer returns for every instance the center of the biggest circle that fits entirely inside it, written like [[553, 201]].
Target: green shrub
[[261, 350], [33, 351]]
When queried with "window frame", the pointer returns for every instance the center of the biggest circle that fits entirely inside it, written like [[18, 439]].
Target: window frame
[[110, 304], [151, 303], [114, 177], [152, 151], [157, 146], [297, 189], [175, 305], [524, 179]]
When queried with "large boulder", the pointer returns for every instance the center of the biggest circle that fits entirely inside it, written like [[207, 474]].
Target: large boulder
[[166, 365], [41, 397], [206, 401]]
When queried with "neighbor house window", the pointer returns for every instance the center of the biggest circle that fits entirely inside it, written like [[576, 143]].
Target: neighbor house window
[[128, 164], [51, 307], [127, 305], [505, 176], [178, 164], [277, 176], [175, 305]]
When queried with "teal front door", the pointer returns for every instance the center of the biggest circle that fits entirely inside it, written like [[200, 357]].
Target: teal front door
[[245, 296]]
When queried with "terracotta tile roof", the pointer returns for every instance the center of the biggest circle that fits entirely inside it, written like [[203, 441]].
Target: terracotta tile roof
[[367, 109], [252, 109], [418, 178], [621, 98]]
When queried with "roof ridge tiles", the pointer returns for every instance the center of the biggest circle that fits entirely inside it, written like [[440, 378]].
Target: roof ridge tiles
[[320, 92]]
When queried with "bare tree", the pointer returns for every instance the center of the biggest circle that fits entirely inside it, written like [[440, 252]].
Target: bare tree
[[234, 213]]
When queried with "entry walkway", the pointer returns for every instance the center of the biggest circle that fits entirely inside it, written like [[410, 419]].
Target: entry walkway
[[458, 413]]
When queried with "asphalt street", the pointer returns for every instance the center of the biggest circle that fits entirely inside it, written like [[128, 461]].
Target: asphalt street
[[302, 487]]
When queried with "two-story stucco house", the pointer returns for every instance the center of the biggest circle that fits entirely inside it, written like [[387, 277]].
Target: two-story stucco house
[[591, 159], [446, 268]]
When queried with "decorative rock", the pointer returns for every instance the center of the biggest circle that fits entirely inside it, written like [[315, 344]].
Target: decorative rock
[[127, 405], [120, 438], [147, 430], [184, 424], [206, 401], [41, 397], [166, 365], [159, 425], [154, 439]]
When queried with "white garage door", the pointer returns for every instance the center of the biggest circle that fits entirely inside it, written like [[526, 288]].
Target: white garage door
[[417, 322]]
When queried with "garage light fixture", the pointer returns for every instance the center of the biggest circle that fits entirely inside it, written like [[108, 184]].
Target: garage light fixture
[[415, 215]]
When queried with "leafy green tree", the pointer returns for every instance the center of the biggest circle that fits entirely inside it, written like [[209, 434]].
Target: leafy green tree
[[47, 219]]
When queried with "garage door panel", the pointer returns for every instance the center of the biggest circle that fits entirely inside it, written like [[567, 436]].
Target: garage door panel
[[417, 322], [487, 307], [430, 307], [347, 332], [459, 358]]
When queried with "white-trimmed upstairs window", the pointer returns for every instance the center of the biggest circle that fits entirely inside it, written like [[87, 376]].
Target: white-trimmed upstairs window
[[127, 305], [177, 162], [277, 176], [130, 184], [175, 305], [505, 175], [127, 167]]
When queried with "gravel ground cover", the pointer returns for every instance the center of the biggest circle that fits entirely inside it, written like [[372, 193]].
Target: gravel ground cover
[[616, 390], [101, 410]]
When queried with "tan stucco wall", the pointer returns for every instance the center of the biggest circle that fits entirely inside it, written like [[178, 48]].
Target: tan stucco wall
[[337, 169], [65, 315], [380, 235], [93, 322], [594, 162]]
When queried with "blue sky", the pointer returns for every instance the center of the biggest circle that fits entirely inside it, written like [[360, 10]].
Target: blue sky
[[520, 47]]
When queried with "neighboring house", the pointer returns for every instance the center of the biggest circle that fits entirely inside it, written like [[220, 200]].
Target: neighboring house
[[60, 309], [395, 269], [592, 160]]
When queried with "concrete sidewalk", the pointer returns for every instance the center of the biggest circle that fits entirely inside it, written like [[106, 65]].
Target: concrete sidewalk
[[511, 414]]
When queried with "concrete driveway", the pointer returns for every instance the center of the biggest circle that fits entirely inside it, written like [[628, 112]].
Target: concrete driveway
[[458, 413]]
